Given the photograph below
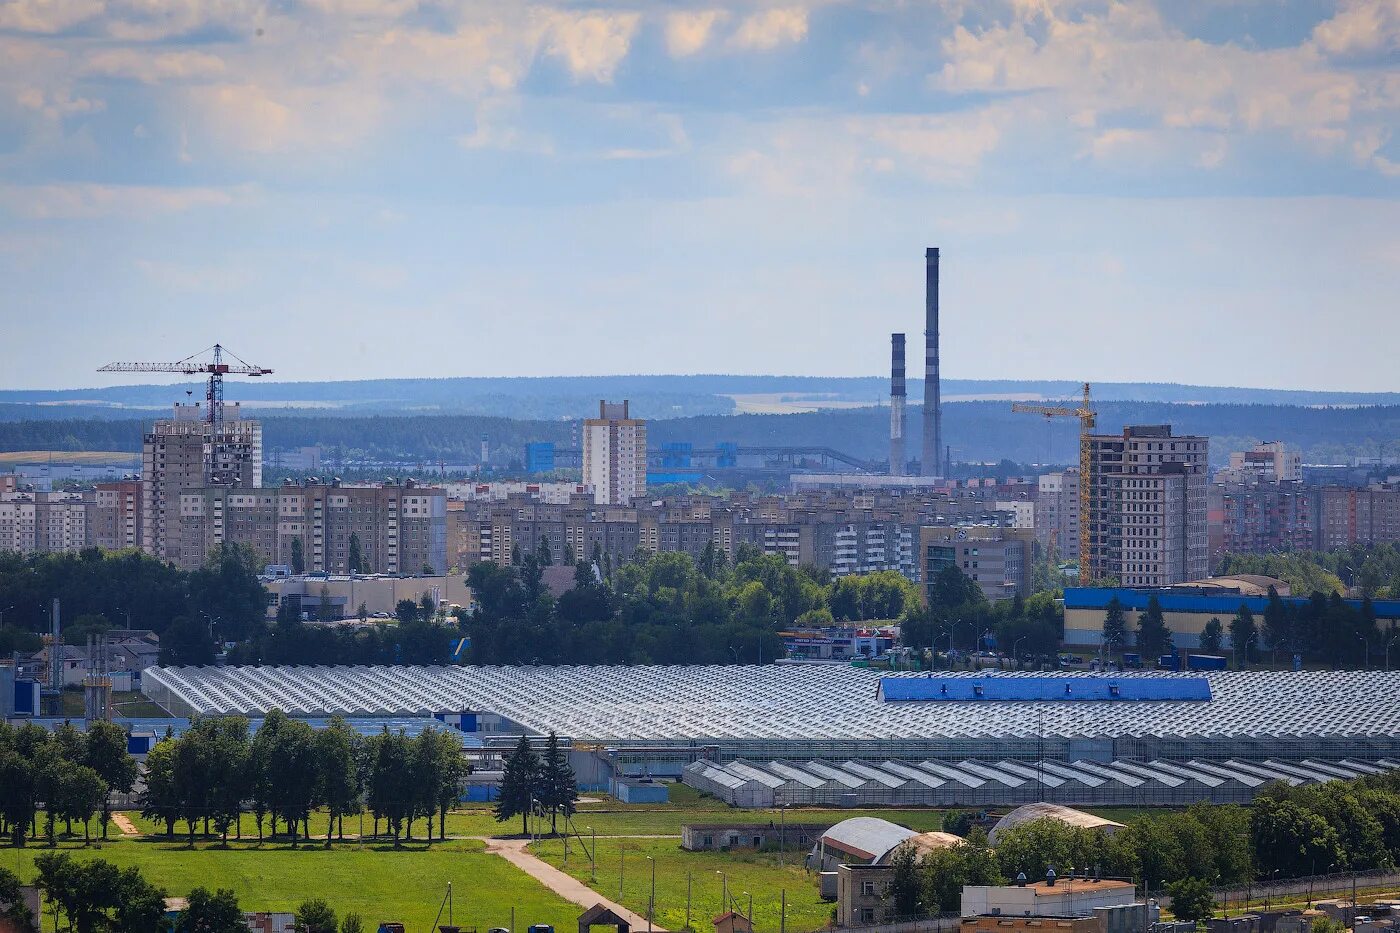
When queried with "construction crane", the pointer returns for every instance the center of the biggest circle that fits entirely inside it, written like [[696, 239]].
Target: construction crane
[[214, 368], [1088, 418]]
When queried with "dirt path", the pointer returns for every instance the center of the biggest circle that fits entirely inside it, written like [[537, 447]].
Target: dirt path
[[567, 887], [124, 824]]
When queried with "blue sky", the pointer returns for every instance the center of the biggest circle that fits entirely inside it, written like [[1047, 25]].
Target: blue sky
[[1194, 192]]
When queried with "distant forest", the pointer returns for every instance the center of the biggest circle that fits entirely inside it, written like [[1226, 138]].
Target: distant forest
[[653, 397], [976, 431]]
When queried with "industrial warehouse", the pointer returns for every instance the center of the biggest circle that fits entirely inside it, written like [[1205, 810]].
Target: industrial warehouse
[[845, 736]]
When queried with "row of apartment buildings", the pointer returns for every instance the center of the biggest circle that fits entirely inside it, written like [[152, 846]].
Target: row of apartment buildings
[[841, 532]]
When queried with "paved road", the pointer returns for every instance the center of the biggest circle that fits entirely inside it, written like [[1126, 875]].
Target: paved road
[[516, 852]]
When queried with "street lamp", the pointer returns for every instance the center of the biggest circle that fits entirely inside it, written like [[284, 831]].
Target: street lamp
[[1016, 650], [651, 901], [1365, 643], [2, 614], [1388, 642]]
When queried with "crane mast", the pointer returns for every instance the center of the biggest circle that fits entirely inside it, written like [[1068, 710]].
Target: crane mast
[[1088, 418]]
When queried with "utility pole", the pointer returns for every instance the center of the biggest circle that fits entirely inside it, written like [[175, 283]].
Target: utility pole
[[651, 900], [687, 900]]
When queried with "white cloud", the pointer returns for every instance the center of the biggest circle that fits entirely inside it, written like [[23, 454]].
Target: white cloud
[[155, 69], [592, 45], [769, 29], [47, 16], [86, 201], [689, 32], [1361, 27]]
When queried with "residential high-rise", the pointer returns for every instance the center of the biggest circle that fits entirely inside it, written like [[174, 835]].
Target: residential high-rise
[[1057, 514], [1345, 516], [1271, 461], [1147, 507], [615, 455], [188, 452], [115, 520]]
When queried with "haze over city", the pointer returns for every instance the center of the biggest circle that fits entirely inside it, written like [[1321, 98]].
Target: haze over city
[[375, 190]]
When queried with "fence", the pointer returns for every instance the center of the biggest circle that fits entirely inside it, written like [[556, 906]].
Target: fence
[[1316, 887]]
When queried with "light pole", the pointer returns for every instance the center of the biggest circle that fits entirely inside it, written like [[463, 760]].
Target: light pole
[[593, 852], [651, 901], [1365, 643], [1388, 642], [1016, 651], [621, 867]]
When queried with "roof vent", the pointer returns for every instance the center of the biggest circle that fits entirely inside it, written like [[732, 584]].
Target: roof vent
[[1020, 879], [1050, 877]]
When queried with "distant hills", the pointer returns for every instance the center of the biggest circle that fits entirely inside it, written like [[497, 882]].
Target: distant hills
[[657, 397], [977, 431]]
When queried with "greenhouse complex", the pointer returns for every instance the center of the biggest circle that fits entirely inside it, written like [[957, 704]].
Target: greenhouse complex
[[846, 736]]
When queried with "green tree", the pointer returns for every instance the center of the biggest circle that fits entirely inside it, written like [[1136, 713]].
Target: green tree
[[338, 782], [1212, 636], [298, 556], [78, 793], [159, 801], [140, 905], [1243, 635], [906, 889], [1115, 627], [187, 642], [216, 912], [325, 610], [315, 916], [1154, 639], [518, 782], [558, 787], [106, 753], [19, 797], [352, 924], [1191, 899], [12, 905], [355, 561], [1292, 840]]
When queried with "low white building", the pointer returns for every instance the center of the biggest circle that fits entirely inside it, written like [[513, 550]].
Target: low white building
[[1053, 897]]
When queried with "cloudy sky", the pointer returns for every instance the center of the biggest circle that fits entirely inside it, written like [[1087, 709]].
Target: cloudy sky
[[1170, 191]]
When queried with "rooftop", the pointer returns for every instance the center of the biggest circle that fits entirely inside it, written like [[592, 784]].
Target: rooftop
[[725, 705]]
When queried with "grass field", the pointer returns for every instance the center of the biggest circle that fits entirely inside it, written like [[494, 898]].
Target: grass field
[[747, 873], [379, 883]]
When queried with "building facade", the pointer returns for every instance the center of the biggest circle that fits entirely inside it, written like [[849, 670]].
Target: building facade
[[395, 529], [1271, 461], [615, 455], [1346, 515], [43, 522], [1147, 507], [998, 560], [1259, 518], [185, 452], [115, 518], [1057, 514]]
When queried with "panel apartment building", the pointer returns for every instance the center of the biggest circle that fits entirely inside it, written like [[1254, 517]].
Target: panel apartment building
[[841, 532], [1057, 514], [43, 522], [615, 455], [186, 452], [1147, 507], [399, 529]]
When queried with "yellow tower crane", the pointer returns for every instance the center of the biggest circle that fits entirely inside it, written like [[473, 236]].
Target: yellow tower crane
[[1087, 420]]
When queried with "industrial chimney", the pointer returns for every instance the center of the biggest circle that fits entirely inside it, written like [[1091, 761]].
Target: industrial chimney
[[896, 404], [930, 463]]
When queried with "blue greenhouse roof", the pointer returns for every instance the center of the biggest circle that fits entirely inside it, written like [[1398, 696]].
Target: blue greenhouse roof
[[1173, 601], [1042, 689]]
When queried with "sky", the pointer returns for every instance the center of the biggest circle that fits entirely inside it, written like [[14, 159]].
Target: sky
[[1200, 192]]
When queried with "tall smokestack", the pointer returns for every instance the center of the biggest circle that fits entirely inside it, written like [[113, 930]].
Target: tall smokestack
[[931, 463], [896, 404]]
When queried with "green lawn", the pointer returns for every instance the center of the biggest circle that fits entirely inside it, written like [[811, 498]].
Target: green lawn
[[376, 882], [608, 818], [753, 873]]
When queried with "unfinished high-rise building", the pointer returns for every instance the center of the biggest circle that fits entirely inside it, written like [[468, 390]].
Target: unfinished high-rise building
[[188, 451]]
